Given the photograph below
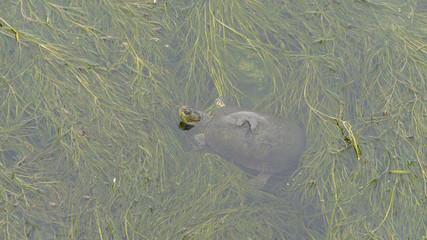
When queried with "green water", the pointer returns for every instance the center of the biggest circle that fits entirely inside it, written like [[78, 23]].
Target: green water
[[89, 141]]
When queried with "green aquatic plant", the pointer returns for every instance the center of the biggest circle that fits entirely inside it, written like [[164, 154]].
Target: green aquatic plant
[[89, 140]]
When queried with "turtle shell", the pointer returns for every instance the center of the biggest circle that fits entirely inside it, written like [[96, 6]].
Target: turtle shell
[[255, 141]]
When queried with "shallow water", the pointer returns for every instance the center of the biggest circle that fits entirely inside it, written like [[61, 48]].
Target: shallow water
[[89, 140]]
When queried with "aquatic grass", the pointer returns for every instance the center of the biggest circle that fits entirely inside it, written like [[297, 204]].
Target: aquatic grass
[[89, 142], [379, 128], [359, 81], [77, 118]]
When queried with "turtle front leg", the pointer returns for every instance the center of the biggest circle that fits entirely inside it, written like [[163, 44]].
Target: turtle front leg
[[199, 141]]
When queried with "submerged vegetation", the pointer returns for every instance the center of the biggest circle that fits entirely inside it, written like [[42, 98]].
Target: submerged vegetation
[[89, 141]]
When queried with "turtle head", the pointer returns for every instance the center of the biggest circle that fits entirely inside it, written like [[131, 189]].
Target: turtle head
[[191, 116]]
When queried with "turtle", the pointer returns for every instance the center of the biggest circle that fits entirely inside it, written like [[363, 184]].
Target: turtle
[[254, 141]]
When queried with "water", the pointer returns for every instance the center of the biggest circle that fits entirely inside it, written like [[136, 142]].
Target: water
[[89, 140]]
